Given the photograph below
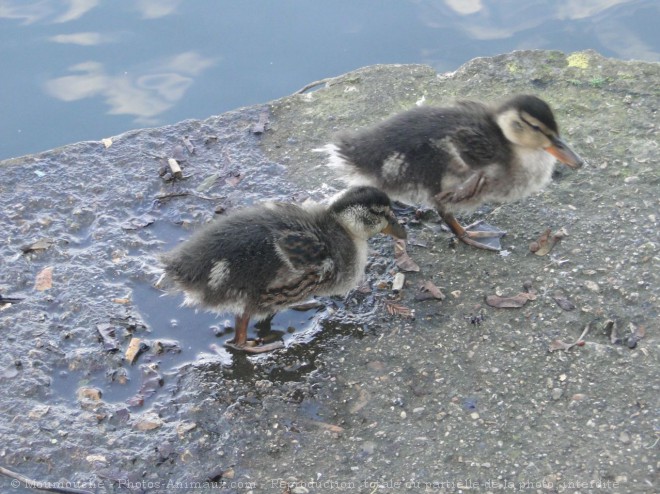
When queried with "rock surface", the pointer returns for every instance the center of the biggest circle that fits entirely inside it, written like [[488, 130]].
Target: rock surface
[[463, 396]]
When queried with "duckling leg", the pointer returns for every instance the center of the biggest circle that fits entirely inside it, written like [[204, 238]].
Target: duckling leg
[[241, 343], [479, 234]]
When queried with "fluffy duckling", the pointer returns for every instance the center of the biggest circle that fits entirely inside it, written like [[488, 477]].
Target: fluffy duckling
[[458, 158], [262, 259]]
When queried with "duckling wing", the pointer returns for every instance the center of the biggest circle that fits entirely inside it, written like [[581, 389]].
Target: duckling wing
[[480, 145], [304, 251]]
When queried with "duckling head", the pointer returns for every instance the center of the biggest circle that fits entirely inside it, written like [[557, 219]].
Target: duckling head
[[366, 211], [528, 121]]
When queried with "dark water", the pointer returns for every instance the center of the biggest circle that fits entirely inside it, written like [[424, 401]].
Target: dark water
[[87, 69]]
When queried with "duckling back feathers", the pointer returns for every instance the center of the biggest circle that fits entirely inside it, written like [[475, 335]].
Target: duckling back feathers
[[261, 259], [420, 153]]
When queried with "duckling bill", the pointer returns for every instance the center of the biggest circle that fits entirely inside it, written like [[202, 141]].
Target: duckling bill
[[260, 260], [457, 158]]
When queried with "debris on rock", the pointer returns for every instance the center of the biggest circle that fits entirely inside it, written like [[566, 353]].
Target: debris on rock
[[545, 243], [108, 337], [395, 309], [561, 345], [38, 246], [148, 421], [175, 168], [398, 282], [403, 260], [44, 280], [89, 393], [189, 145], [428, 290], [135, 348], [261, 125], [562, 301], [514, 302]]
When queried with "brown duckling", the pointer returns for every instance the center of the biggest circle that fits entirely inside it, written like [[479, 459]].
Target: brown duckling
[[262, 259], [457, 158]]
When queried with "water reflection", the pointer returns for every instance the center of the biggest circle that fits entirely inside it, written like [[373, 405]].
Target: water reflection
[[497, 19], [143, 94], [82, 39], [120, 58], [56, 11]]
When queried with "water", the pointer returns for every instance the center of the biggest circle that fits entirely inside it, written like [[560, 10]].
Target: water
[[87, 69]]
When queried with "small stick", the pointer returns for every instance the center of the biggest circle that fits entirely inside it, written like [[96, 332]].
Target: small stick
[[313, 85], [43, 486]]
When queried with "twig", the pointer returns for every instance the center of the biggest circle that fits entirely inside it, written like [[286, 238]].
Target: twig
[[313, 85], [41, 486]]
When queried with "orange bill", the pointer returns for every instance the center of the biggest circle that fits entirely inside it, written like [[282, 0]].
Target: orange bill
[[394, 229], [560, 150]]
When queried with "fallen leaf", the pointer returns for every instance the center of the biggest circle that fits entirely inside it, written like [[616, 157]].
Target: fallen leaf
[[260, 126], [37, 246], [428, 290], [510, 302], [544, 244], [559, 345], [395, 309], [562, 301], [403, 260], [44, 280], [107, 333]]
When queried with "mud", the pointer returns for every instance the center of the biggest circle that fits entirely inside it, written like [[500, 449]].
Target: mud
[[462, 396]]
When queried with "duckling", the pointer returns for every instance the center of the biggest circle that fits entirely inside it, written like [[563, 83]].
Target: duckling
[[457, 158], [262, 259]]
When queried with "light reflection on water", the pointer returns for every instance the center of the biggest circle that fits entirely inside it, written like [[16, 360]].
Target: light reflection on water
[[87, 69]]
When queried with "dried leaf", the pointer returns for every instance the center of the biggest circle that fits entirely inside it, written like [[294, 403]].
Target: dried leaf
[[39, 245], [559, 345], [428, 290], [403, 260], [44, 280], [260, 126], [510, 302], [107, 333], [395, 309], [544, 244], [563, 302]]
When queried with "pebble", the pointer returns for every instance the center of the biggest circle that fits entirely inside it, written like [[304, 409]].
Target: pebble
[[148, 422], [399, 280], [624, 437], [556, 393], [403, 414], [592, 286]]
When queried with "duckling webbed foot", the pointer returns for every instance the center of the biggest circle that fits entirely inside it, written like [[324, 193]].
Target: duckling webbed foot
[[478, 234], [253, 346], [241, 343]]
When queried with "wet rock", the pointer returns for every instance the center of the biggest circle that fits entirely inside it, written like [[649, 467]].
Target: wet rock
[[87, 393], [148, 421]]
